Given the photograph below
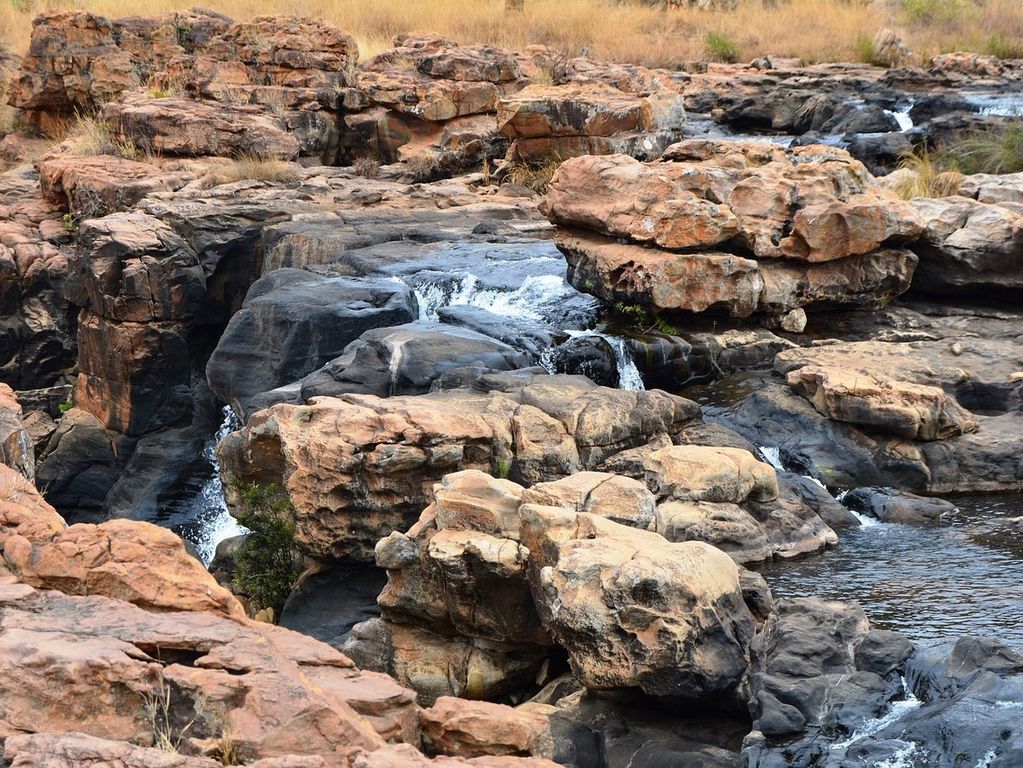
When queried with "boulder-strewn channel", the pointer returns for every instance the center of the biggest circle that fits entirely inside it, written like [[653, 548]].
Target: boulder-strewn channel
[[562, 476]]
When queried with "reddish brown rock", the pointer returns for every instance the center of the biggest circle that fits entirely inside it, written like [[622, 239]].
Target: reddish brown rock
[[475, 728], [77, 750], [273, 692], [16, 449]]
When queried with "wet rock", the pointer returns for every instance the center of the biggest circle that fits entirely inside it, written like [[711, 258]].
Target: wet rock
[[392, 450], [327, 604], [15, 444], [589, 356], [406, 360], [913, 411], [293, 322], [810, 684], [529, 337], [891, 506], [665, 361]]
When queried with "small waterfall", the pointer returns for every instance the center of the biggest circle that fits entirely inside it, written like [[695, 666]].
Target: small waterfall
[[209, 511], [902, 117], [896, 712], [773, 455], [538, 299], [629, 377]]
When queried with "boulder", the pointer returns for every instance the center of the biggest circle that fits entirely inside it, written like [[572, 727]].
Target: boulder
[[270, 691], [406, 359], [891, 506], [386, 454], [913, 411], [78, 750], [293, 322], [477, 728], [189, 128]]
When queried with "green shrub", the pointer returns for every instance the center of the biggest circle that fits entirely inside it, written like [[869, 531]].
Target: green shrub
[[1004, 47], [267, 564], [722, 48]]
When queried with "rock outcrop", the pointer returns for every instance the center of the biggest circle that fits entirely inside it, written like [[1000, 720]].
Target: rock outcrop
[[811, 227], [386, 454], [519, 572]]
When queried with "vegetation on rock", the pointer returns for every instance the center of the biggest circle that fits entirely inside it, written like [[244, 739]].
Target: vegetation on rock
[[267, 564]]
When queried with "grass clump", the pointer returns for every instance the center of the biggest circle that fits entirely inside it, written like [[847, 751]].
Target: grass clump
[[936, 11], [252, 167], [997, 150], [89, 136], [927, 174], [267, 565], [533, 174], [722, 48], [367, 167], [422, 168]]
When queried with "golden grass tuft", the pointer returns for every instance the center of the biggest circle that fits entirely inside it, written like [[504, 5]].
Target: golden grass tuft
[[923, 174], [89, 136], [534, 174], [814, 30], [250, 167]]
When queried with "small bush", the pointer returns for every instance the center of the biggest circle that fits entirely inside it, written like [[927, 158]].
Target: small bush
[[534, 174], [367, 167], [998, 150], [250, 167], [267, 564], [422, 168], [866, 51], [722, 48]]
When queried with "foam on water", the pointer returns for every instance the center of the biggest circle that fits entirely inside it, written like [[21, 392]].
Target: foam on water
[[901, 758], [212, 519], [536, 299], [895, 712], [902, 118]]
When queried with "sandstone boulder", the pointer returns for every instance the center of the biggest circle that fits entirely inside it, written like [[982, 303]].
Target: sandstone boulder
[[388, 453], [475, 728], [78, 750], [913, 411]]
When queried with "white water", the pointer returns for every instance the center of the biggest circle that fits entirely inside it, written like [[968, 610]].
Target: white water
[[629, 377], [214, 521], [901, 758], [528, 301], [902, 118], [896, 712]]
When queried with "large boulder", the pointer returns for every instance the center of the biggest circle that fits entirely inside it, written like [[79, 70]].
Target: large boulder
[[385, 454], [293, 322]]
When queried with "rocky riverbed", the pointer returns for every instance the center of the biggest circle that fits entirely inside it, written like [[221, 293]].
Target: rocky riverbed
[[704, 451]]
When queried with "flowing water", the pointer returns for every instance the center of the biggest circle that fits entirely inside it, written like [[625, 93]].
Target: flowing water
[[933, 583]]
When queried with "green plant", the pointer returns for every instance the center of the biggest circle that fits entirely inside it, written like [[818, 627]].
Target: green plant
[[70, 226], [266, 564], [996, 150], [866, 51], [633, 312], [1004, 47], [65, 407], [722, 48], [666, 328]]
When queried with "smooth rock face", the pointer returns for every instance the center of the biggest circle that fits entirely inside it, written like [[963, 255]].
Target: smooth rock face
[[476, 728], [385, 455], [292, 323], [712, 226]]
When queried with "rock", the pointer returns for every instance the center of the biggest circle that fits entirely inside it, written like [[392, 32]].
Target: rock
[[993, 188], [913, 411], [77, 750], [590, 356], [794, 321], [78, 467], [407, 359], [405, 756], [391, 451], [260, 684], [293, 322], [474, 728], [527, 336], [15, 445], [811, 685], [889, 49], [189, 128], [891, 506], [634, 610], [968, 246], [128, 560], [702, 194]]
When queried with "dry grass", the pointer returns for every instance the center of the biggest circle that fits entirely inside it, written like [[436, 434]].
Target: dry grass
[[535, 175], [923, 174], [249, 167], [89, 136], [815, 30]]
